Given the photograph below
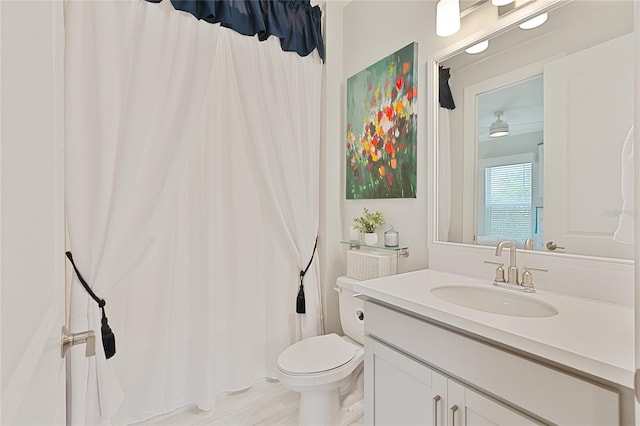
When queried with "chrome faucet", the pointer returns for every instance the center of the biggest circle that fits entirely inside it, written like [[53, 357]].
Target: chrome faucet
[[512, 281], [512, 272]]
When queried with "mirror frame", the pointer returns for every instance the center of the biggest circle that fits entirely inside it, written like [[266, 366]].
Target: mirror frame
[[500, 26]]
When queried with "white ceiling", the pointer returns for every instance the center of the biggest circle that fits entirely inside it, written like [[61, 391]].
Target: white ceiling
[[521, 104]]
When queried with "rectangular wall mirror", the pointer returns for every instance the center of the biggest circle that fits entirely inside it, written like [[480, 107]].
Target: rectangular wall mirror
[[539, 149]]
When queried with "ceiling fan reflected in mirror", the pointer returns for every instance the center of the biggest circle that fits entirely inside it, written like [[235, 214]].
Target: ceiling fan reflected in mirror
[[499, 127]]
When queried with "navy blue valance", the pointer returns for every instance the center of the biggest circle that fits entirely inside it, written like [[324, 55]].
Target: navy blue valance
[[296, 23]]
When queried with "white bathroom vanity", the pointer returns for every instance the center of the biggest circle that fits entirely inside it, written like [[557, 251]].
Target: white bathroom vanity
[[436, 362]]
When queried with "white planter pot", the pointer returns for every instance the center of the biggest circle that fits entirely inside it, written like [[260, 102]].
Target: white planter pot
[[370, 238]]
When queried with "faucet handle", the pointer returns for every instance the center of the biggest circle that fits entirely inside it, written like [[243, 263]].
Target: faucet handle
[[531, 268], [499, 278], [527, 277]]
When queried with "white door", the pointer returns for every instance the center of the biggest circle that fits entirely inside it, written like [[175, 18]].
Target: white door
[[583, 108], [31, 211]]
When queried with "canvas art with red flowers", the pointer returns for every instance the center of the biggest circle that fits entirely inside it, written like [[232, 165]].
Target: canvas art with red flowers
[[382, 128]]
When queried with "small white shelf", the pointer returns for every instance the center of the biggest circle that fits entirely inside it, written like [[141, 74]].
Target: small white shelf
[[399, 251]]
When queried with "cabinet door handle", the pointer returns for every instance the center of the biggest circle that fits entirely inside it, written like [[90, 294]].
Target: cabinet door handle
[[453, 415], [436, 399]]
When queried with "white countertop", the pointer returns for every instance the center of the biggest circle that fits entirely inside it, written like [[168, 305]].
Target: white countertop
[[590, 336]]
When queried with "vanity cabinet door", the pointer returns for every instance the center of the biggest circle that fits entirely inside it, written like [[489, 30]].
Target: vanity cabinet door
[[480, 410], [405, 392], [456, 410], [402, 391]]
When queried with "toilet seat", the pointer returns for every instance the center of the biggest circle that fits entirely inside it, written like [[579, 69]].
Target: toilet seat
[[316, 355]]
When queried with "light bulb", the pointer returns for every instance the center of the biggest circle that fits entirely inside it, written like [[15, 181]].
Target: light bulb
[[447, 17], [534, 22], [478, 47], [501, 2]]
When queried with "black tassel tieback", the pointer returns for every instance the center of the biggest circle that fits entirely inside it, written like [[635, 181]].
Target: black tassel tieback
[[300, 302], [108, 338]]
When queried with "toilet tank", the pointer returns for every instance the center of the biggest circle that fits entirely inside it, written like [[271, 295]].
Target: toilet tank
[[351, 310]]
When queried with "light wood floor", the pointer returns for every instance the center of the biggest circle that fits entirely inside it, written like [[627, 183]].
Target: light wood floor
[[268, 402]]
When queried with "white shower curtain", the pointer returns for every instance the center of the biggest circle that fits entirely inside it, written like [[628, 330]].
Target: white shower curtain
[[132, 79], [283, 96], [192, 203]]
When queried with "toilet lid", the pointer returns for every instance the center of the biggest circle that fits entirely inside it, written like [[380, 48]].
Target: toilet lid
[[316, 354]]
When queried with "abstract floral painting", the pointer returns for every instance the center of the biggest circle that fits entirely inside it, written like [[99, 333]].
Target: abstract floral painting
[[382, 128]]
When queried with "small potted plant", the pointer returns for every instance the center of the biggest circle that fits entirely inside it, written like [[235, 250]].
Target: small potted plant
[[368, 224]]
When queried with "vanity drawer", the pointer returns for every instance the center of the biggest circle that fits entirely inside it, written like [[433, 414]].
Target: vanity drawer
[[542, 391]]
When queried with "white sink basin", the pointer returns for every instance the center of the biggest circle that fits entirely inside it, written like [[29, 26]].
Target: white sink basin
[[494, 300]]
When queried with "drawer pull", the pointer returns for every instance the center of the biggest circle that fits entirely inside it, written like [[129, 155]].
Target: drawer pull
[[436, 399], [453, 415]]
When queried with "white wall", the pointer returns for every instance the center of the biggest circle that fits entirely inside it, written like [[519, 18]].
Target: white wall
[[355, 40], [373, 30], [331, 214], [358, 34]]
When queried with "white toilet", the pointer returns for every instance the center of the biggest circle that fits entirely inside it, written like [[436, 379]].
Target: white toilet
[[326, 369]]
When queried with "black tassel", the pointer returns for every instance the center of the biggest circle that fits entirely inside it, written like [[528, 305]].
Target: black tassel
[[300, 304], [108, 338]]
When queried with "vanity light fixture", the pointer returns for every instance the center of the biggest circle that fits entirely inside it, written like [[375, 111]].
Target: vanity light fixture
[[498, 128], [501, 2], [534, 22], [447, 17], [478, 47]]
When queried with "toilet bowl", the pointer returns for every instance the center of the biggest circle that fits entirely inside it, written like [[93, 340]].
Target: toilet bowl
[[324, 368]]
